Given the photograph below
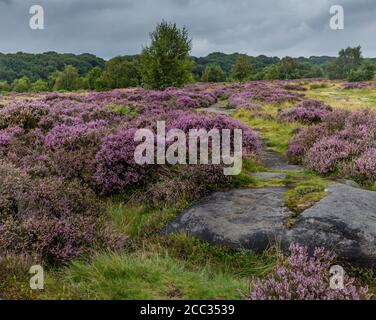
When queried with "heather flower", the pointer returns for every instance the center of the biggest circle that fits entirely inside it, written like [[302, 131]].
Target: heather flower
[[308, 111], [325, 155], [300, 277]]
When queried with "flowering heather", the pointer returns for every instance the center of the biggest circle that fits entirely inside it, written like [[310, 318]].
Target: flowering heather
[[344, 142], [365, 165], [60, 152], [241, 100], [307, 111], [355, 85], [300, 277]]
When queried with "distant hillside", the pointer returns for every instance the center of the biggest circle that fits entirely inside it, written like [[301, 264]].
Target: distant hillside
[[41, 66], [226, 61]]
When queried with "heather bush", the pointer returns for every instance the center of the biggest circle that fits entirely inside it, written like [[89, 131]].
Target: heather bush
[[56, 240], [186, 122], [326, 154], [116, 168], [344, 142], [308, 111], [24, 114], [184, 183], [60, 152], [49, 218], [301, 277], [365, 165]]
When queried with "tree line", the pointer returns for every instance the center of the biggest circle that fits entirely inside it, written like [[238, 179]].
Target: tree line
[[167, 62]]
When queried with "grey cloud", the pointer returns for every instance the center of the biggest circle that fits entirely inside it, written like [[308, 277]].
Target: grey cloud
[[113, 27]]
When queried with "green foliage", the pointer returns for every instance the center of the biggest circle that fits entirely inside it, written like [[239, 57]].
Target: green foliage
[[93, 79], [39, 86], [121, 73], [290, 68], [276, 134], [4, 86], [42, 66], [365, 72], [242, 68], [349, 59], [166, 62], [305, 192], [123, 110], [21, 85], [68, 79], [146, 276], [213, 73]]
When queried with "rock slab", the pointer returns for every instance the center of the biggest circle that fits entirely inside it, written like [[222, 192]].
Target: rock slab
[[251, 218], [344, 221]]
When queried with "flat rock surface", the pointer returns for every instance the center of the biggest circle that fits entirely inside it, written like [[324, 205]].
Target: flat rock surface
[[344, 221], [252, 218], [274, 160], [269, 176]]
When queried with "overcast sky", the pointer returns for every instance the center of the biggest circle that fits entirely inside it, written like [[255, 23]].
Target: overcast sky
[[116, 27]]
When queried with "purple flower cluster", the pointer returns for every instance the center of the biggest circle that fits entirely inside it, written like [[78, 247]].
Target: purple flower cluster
[[242, 100], [308, 111], [300, 277], [60, 152], [355, 85], [343, 142]]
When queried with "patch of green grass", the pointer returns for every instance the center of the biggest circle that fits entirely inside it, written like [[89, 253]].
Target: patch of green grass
[[122, 109], [305, 192], [142, 276], [136, 220], [244, 179], [276, 134], [338, 97], [197, 254], [162, 267]]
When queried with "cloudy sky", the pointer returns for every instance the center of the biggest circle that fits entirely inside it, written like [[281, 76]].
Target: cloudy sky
[[114, 27]]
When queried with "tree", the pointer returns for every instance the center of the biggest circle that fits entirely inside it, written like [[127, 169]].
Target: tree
[[288, 69], [121, 73], [213, 73], [166, 62], [21, 85], [39, 86], [365, 72], [349, 59], [93, 79], [242, 68], [4, 86], [68, 79]]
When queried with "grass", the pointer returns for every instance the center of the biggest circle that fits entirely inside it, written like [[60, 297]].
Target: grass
[[275, 134], [121, 109], [163, 267], [145, 276], [338, 97], [305, 191]]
